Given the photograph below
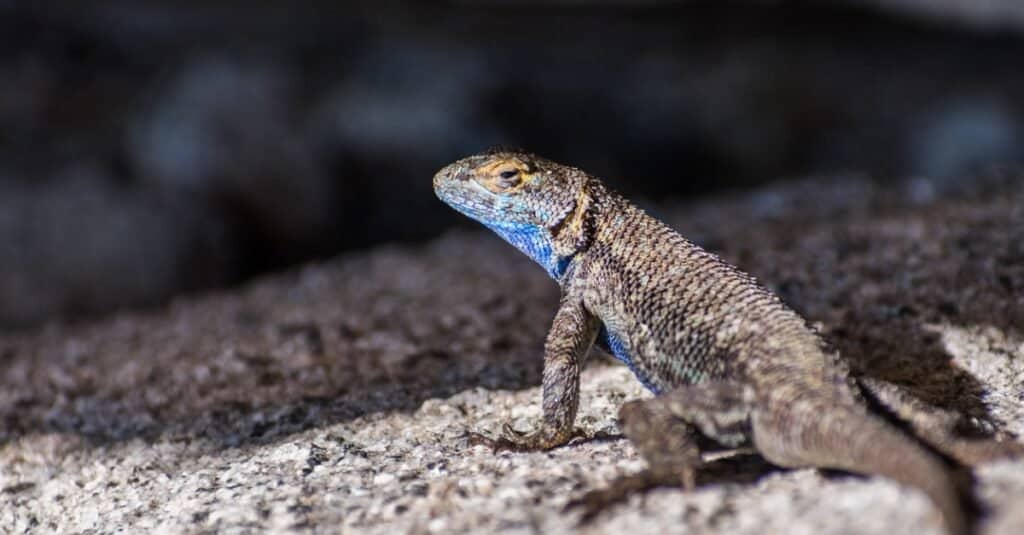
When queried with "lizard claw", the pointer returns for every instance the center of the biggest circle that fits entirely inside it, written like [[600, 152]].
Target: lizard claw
[[495, 444], [512, 440], [580, 436], [508, 431]]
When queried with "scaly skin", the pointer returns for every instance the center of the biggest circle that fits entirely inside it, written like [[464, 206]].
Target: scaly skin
[[728, 360]]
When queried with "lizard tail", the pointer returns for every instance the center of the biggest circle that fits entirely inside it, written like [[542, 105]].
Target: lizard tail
[[851, 440]]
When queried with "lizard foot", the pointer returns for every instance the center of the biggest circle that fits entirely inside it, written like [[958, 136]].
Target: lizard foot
[[512, 440]]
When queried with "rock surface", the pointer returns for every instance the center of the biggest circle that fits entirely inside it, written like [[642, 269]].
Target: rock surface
[[335, 398]]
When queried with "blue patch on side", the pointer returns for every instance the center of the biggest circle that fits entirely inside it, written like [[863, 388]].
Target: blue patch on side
[[533, 243], [561, 266], [619, 351]]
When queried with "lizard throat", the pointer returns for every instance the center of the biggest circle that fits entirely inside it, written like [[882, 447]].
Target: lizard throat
[[533, 242]]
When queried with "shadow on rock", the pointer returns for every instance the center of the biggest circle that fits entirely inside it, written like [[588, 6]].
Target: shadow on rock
[[365, 334]]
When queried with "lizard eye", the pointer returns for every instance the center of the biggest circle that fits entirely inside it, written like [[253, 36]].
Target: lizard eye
[[509, 177], [502, 177]]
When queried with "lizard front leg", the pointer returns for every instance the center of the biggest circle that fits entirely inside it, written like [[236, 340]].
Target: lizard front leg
[[572, 334]]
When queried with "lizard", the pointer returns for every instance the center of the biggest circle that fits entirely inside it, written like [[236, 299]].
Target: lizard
[[727, 360]]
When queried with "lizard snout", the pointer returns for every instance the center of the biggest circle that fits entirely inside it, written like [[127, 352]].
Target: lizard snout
[[448, 176]]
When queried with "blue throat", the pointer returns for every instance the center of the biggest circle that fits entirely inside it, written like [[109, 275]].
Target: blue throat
[[531, 241]]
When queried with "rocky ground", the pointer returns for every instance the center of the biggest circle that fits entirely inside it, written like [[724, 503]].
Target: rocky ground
[[335, 398]]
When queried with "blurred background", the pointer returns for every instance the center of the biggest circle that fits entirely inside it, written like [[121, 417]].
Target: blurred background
[[150, 148]]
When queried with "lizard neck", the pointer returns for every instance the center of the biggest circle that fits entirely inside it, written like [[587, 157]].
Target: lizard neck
[[535, 242], [574, 230], [556, 243]]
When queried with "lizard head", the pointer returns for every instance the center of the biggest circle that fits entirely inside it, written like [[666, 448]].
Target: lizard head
[[531, 202]]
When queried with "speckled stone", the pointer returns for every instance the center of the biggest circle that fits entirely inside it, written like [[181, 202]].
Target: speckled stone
[[334, 398]]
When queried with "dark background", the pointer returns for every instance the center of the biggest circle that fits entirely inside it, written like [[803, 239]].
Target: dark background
[[150, 148]]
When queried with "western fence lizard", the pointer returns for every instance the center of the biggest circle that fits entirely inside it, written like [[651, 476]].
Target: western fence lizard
[[727, 359]]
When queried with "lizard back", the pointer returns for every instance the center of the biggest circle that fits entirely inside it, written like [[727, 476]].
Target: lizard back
[[678, 314]]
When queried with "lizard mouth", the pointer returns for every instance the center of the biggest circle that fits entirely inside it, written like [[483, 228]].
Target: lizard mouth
[[455, 186], [452, 177], [457, 179], [443, 177]]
